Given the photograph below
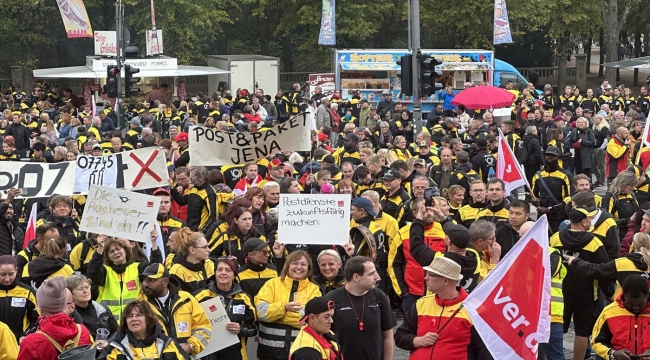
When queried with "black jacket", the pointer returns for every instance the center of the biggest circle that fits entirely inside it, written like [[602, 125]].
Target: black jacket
[[21, 135], [11, 235], [507, 237], [533, 150], [96, 316]]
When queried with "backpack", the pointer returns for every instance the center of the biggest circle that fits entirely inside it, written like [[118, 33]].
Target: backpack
[[71, 349]]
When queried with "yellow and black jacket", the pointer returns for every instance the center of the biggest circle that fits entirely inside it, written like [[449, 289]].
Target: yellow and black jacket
[[376, 186], [67, 227], [193, 278], [342, 156], [229, 243], [43, 268], [401, 154], [617, 329], [252, 277], [615, 270], [181, 317], [279, 328], [81, 255], [622, 207], [157, 346], [26, 255], [463, 175], [606, 231], [18, 307], [306, 346], [9, 157], [168, 224], [202, 205], [586, 246], [642, 192], [567, 101], [394, 204], [559, 182], [466, 215], [497, 214], [240, 309]]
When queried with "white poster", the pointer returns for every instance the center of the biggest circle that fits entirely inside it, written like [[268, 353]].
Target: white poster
[[324, 217], [220, 337], [131, 170], [154, 42], [213, 147], [120, 213], [105, 43], [37, 179]]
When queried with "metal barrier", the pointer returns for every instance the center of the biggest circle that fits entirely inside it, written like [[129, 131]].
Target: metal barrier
[[548, 71]]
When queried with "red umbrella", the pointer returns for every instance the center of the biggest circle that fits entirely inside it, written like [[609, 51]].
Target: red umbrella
[[484, 97]]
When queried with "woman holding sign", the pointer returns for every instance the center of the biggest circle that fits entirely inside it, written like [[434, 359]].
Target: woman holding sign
[[231, 242], [239, 307], [280, 306], [113, 269]]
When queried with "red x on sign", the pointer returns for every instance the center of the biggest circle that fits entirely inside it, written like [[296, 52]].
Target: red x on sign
[[145, 168]]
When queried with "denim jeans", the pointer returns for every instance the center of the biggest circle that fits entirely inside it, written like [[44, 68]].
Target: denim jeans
[[553, 350], [408, 301]]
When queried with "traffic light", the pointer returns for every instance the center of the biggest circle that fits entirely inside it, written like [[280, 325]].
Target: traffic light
[[428, 75], [129, 80], [112, 78], [406, 74]]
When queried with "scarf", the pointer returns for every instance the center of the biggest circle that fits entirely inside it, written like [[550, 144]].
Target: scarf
[[334, 355]]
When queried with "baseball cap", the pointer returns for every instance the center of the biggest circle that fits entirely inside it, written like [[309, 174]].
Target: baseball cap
[[580, 213], [423, 143], [558, 118], [586, 111], [155, 271], [391, 175], [553, 150], [419, 162], [97, 146], [161, 191], [276, 163], [351, 136], [329, 159], [481, 142], [363, 203], [316, 306], [181, 137], [135, 121], [457, 234], [253, 244]]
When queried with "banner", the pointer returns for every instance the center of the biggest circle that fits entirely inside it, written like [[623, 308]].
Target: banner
[[501, 24], [220, 337], [326, 218], [213, 147], [105, 43], [120, 213], [132, 170], [154, 42], [75, 18], [508, 168], [325, 81], [327, 35], [510, 309]]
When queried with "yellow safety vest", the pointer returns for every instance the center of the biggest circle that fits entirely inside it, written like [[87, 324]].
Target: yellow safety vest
[[118, 289], [557, 298], [305, 340]]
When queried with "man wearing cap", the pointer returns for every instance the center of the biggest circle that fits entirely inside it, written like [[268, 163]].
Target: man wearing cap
[[396, 196], [134, 135], [315, 341], [425, 153], [460, 340], [483, 162], [405, 273], [97, 150], [257, 270], [181, 150], [549, 186], [56, 328], [349, 152], [168, 224], [617, 155], [275, 173], [178, 312], [580, 301]]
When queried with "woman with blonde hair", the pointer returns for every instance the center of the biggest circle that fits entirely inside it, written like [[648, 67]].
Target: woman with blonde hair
[[49, 130], [49, 264], [386, 156], [365, 153], [191, 265], [74, 125], [620, 201], [455, 196], [331, 271], [280, 305], [637, 262]]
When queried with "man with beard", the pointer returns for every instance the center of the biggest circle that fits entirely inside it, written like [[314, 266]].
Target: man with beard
[[178, 312], [441, 173], [349, 152], [549, 185], [404, 271], [467, 214], [11, 235], [168, 224], [456, 241]]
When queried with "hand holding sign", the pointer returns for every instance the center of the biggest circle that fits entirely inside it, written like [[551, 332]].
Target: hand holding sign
[[349, 247], [278, 249]]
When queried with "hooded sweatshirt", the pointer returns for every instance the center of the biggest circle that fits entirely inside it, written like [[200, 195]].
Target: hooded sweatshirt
[[61, 328], [583, 245], [42, 268]]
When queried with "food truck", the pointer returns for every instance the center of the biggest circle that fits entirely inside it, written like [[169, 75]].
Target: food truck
[[374, 71]]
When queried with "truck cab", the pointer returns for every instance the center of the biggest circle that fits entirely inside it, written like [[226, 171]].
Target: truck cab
[[503, 72]]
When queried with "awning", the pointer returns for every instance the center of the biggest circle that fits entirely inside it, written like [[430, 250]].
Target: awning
[[82, 72], [642, 62], [377, 66]]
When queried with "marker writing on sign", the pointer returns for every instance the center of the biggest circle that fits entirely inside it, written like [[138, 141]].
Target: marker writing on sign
[[103, 214]]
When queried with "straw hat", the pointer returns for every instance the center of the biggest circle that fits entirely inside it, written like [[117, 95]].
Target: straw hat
[[445, 267]]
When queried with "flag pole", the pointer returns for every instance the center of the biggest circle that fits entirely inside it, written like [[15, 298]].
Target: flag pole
[[453, 315]]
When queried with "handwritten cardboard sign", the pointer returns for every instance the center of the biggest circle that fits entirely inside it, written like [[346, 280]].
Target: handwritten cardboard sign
[[215, 147], [119, 213], [220, 338], [317, 219]]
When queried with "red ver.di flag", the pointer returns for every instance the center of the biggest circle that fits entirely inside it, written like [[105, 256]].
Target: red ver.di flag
[[508, 168], [510, 309]]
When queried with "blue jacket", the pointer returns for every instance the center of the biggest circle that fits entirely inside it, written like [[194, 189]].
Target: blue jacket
[[447, 100]]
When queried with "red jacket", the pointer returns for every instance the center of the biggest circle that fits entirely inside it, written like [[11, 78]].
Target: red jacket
[[617, 328], [179, 211], [626, 242], [61, 328], [617, 157]]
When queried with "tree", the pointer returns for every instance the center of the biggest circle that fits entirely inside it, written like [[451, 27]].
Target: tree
[[613, 25]]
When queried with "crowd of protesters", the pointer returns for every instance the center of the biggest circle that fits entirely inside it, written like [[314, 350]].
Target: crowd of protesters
[[429, 222]]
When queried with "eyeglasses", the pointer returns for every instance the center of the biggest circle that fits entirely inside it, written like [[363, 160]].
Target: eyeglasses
[[133, 316], [83, 288]]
